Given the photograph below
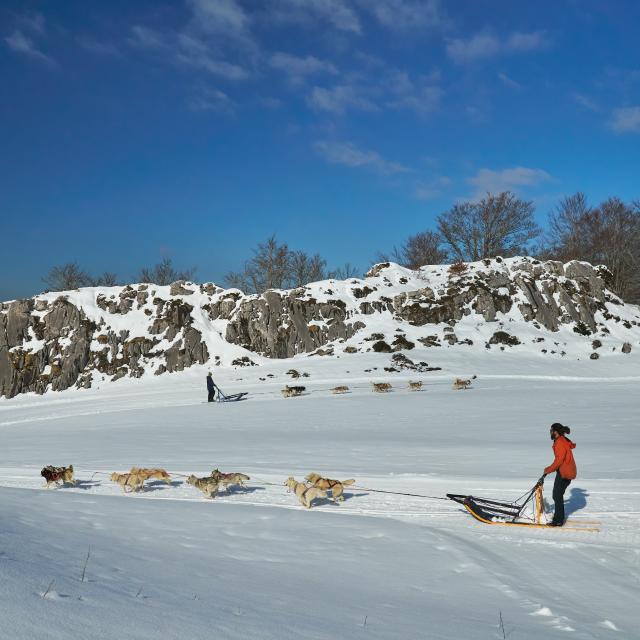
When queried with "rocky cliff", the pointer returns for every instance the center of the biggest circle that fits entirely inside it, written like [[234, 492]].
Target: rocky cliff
[[60, 340]]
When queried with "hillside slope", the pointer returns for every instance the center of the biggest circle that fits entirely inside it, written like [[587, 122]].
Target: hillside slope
[[64, 339]]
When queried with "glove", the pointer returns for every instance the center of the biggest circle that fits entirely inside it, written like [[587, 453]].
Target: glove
[[541, 480]]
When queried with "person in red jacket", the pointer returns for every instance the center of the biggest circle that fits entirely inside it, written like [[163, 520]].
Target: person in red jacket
[[565, 467]]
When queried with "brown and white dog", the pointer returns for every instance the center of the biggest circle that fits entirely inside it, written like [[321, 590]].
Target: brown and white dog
[[460, 384], [415, 386], [130, 481], [54, 475], [306, 495], [229, 479], [147, 473], [381, 387], [338, 390], [336, 486]]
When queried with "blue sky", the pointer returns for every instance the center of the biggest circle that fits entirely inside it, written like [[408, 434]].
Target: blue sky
[[195, 129]]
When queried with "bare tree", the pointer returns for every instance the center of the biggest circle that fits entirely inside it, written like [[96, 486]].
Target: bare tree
[[67, 276], [164, 273], [276, 266], [418, 250], [608, 234], [269, 268], [344, 272], [306, 268], [565, 235], [496, 225], [107, 279]]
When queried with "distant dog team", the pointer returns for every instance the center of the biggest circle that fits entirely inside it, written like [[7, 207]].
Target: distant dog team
[[315, 487]]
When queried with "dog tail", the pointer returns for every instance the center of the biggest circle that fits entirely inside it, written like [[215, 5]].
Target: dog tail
[[348, 482]]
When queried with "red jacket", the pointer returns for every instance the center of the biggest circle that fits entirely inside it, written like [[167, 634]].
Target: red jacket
[[564, 462]]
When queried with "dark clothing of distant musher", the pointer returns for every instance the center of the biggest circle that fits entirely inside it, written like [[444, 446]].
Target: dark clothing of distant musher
[[211, 389]]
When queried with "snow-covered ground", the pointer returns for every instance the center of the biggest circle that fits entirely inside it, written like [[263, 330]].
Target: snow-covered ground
[[254, 564]]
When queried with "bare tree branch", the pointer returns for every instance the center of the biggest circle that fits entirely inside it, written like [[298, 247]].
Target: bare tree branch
[[496, 225]]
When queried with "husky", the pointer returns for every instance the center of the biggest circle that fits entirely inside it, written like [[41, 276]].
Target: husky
[[229, 479], [415, 386], [134, 481], [306, 495], [459, 383], [208, 486], [54, 475], [336, 486], [146, 474], [337, 390], [381, 387], [289, 392]]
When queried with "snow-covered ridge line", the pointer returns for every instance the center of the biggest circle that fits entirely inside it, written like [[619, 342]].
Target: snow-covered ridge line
[[61, 339]]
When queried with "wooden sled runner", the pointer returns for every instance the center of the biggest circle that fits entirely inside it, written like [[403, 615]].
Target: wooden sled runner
[[510, 514]]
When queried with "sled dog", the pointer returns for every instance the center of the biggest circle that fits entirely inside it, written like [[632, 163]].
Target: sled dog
[[337, 390], [460, 384], [146, 474], [53, 475], [306, 495], [336, 486], [229, 479], [381, 387], [208, 486], [132, 481], [415, 386], [289, 392]]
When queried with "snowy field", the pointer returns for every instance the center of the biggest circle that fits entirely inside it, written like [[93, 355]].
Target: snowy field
[[254, 564]]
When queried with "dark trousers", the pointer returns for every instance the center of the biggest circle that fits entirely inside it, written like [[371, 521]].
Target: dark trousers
[[212, 394], [559, 487]]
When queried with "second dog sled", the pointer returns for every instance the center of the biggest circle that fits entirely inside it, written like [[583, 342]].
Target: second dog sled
[[513, 514], [234, 397]]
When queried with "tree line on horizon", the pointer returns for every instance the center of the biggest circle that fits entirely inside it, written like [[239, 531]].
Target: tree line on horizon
[[496, 225]]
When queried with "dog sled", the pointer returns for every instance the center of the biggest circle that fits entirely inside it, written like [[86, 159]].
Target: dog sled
[[526, 511], [234, 397]]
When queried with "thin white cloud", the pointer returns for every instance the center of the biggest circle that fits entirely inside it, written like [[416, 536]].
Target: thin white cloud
[[22, 44], [625, 120], [347, 154], [220, 16], [487, 45], [222, 22], [509, 82], [432, 188], [32, 22], [186, 50], [195, 53], [518, 41], [308, 12], [209, 99], [405, 14], [146, 38], [586, 102], [339, 99], [512, 179], [100, 48], [298, 68], [422, 96]]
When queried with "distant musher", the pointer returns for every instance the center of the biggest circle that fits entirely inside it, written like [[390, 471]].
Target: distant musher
[[211, 388], [565, 467]]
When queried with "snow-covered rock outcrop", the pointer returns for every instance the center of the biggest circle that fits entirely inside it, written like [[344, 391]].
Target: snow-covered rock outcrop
[[59, 340]]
